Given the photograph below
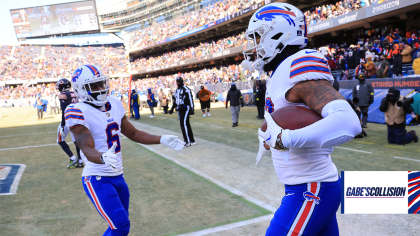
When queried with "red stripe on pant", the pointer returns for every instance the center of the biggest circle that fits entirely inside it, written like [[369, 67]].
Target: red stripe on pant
[[305, 212], [98, 206]]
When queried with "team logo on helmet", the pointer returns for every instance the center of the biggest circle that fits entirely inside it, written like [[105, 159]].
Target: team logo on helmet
[[269, 13], [76, 74], [311, 197], [94, 70]]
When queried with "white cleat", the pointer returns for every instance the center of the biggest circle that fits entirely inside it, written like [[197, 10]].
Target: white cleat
[[151, 116], [204, 115], [208, 114], [193, 143]]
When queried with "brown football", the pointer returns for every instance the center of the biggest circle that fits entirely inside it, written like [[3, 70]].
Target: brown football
[[293, 117]]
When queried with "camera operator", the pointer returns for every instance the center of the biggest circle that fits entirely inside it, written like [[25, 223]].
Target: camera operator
[[184, 104], [364, 93], [395, 117]]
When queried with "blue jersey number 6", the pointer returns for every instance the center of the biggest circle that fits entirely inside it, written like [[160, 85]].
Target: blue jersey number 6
[[113, 138]]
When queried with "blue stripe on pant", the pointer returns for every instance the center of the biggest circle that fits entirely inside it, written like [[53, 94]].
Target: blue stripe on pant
[[306, 212], [110, 195]]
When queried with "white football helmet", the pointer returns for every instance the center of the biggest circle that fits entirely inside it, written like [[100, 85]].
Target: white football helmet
[[277, 25], [90, 85]]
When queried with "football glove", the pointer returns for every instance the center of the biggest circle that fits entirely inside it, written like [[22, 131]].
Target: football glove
[[110, 158], [61, 130], [172, 141], [192, 112], [261, 150], [272, 132]]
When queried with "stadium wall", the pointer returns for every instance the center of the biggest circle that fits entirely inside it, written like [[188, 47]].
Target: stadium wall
[[361, 14]]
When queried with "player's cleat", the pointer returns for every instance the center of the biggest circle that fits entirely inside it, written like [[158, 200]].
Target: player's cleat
[[208, 114], [73, 164], [80, 165], [187, 144], [204, 115], [193, 143], [151, 116]]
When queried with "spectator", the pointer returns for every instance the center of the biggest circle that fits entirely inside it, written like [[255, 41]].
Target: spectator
[[260, 90], [395, 118], [347, 75], [383, 68], [406, 54], [397, 64], [370, 69], [151, 101], [53, 101], [40, 103], [359, 69], [364, 93], [204, 96], [235, 97], [135, 104], [160, 96], [165, 104]]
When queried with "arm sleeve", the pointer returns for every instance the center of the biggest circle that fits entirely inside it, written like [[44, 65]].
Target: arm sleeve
[[173, 103], [384, 105], [329, 131], [241, 98], [227, 98]]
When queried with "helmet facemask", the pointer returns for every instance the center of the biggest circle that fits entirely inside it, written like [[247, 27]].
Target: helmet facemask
[[257, 55], [94, 91]]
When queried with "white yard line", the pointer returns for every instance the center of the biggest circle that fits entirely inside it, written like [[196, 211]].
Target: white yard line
[[25, 134], [4, 149], [228, 188], [407, 159], [238, 130], [229, 226], [216, 126], [355, 150]]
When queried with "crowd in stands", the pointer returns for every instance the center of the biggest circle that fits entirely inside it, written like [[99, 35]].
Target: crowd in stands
[[328, 11], [395, 47], [190, 21], [204, 48], [37, 62]]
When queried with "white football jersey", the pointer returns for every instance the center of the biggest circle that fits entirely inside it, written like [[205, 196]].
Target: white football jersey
[[305, 165], [105, 127]]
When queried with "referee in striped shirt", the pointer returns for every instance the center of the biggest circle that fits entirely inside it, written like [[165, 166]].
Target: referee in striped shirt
[[184, 104]]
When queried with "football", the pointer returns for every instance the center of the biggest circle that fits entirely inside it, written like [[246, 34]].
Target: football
[[293, 117]]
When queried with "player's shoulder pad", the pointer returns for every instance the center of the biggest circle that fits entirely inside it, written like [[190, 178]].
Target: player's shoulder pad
[[62, 96]]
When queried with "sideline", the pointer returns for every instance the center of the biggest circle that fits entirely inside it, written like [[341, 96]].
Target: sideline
[[228, 188], [407, 159], [229, 226], [25, 134]]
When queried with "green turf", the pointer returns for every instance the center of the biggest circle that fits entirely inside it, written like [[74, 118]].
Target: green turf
[[166, 199], [381, 157]]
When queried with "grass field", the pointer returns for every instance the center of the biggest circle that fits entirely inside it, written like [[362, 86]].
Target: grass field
[[166, 198]]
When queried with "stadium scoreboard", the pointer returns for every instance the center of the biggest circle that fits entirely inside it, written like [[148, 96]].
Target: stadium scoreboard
[[56, 20]]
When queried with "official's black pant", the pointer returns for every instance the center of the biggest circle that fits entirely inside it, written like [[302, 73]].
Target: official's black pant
[[260, 111], [184, 121]]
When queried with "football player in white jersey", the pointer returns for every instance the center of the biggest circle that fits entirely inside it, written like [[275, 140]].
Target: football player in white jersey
[[97, 123], [300, 77]]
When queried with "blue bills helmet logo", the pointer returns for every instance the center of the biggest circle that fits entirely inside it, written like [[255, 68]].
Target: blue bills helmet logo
[[311, 197], [269, 13], [76, 74], [269, 106]]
